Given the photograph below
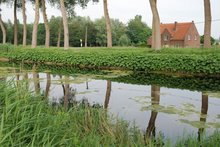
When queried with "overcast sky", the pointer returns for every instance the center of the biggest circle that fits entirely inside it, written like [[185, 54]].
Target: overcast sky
[[169, 10]]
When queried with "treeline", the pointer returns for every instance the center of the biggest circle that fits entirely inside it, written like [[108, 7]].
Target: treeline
[[83, 31]]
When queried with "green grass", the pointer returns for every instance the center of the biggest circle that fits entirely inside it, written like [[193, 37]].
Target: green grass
[[28, 120], [187, 61]]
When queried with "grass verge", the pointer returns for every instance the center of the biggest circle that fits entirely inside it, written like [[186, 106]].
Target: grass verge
[[187, 61]]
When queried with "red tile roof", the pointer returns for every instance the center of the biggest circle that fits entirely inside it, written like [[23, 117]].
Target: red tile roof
[[179, 33]]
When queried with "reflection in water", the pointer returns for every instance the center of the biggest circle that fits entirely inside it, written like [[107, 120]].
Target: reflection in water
[[87, 84], [151, 129], [108, 94], [204, 110], [59, 90], [36, 80], [48, 85], [26, 80], [66, 91], [69, 94]]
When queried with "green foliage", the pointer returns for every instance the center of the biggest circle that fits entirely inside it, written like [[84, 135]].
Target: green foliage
[[202, 40], [27, 120], [138, 31], [135, 33], [140, 60], [178, 81], [124, 40], [6, 47]]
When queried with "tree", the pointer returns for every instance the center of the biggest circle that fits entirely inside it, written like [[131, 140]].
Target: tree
[[35, 27], [212, 40], [67, 7], [56, 28], [65, 24], [24, 23], [156, 37], [101, 38], [3, 29], [124, 40], [138, 31], [15, 5], [46, 24], [15, 24], [208, 21], [108, 24], [118, 30]]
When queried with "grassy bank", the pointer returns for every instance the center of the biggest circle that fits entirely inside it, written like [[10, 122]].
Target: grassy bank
[[187, 61]]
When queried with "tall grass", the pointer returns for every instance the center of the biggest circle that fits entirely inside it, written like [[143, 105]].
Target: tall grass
[[28, 120]]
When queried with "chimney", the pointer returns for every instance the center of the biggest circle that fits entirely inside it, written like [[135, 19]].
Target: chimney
[[175, 26]]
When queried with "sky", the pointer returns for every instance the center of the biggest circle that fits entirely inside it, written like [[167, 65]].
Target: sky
[[124, 10]]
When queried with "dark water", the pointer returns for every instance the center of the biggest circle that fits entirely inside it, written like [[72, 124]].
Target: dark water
[[154, 108]]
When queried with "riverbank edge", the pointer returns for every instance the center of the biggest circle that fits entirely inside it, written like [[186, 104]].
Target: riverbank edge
[[181, 74], [200, 64]]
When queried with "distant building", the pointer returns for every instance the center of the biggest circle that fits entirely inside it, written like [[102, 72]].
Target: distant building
[[178, 35]]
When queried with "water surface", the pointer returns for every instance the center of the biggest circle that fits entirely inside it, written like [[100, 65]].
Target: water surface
[[154, 108]]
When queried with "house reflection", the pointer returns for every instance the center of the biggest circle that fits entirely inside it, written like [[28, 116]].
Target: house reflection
[[151, 129]]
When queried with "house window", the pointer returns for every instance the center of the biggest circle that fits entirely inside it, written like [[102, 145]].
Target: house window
[[189, 37], [195, 37], [165, 37]]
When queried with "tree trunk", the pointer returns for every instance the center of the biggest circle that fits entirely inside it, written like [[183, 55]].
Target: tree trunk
[[108, 94], [108, 24], [208, 21], [156, 37], [24, 23], [15, 24], [59, 33], [3, 30], [46, 24], [86, 36], [35, 27], [153, 34], [65, 25]]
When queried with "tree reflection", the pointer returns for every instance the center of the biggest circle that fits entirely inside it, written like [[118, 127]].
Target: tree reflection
[[48, 85], [204, 110], [66, 90], [108, 94], [69, 94], [36, 80], [26, 80], [151, 129]]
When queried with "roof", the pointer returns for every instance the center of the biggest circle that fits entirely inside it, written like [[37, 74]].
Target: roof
[[179, 33]]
